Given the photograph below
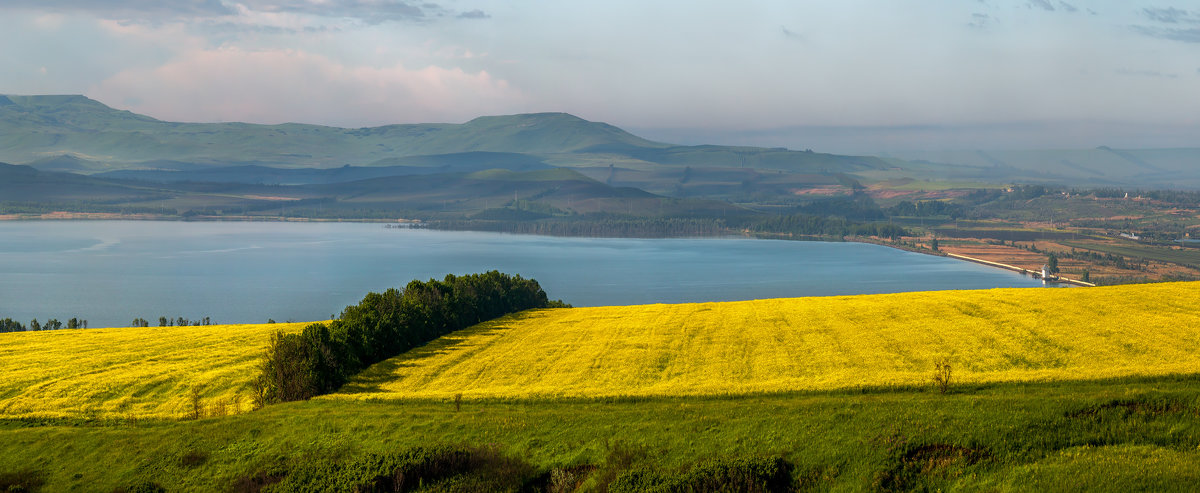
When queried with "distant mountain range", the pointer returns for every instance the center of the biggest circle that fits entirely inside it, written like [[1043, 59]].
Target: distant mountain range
[[76, 148], [74, 133]]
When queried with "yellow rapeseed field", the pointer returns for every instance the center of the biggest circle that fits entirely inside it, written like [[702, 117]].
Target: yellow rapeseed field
[[806, 344], [130, 372]]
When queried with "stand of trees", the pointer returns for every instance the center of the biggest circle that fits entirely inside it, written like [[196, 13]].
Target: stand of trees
[[598, 226], [809, 225], [177, 322], [927, 208], [322, 357], [10, 325]]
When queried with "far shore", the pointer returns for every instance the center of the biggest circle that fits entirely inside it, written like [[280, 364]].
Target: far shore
[[109, 216]]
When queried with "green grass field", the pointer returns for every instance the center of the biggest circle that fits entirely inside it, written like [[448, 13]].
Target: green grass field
[[1122, 435], [1185, 256]]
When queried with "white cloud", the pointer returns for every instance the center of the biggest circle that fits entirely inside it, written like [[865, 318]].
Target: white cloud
[[277, 85]]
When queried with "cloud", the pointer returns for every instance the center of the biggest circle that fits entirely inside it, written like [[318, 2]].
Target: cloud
[[1185, 35], [1067, 7], [126, 9], [474, 14], [1042, 4], [1170, 15], [274, 86], [369, 11], [980, 21], [1145, 73]]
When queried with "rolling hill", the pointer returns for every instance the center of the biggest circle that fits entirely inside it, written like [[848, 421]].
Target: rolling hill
[[696, 349], [1053, 390], [1099, 167], [96, 138]]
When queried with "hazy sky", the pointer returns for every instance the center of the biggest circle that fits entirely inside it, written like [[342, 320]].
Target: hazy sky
[[842, 76]]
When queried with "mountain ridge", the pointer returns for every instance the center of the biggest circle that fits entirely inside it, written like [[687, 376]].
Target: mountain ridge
[[36, 128]]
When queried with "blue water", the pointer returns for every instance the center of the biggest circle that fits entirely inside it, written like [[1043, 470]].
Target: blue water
[[110, 272]]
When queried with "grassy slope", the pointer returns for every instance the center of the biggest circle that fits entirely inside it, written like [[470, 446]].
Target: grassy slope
[[1092, 436], [1119, 434], [82, 373], [806, 344]]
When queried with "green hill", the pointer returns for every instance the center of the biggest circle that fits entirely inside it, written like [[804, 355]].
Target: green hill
[[74, 133], [1100, 167]]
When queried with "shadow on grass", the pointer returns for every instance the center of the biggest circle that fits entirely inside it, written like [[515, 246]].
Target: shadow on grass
[[376, 376]]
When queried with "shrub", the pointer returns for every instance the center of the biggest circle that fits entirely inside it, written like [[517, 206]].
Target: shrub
[[941, 375], [21, 481], [452, 468], [746, 474]]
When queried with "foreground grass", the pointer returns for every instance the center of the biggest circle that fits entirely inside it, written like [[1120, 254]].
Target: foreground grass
[[778, 345], [1119, 435], [130, 372]]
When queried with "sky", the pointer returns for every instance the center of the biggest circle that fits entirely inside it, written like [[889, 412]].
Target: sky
[[851, 76]]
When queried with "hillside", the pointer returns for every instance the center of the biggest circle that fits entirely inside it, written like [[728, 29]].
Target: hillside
[[625, 397], [828, 343], [95, 138], [139, 371], [1099, 167], [702, 349]]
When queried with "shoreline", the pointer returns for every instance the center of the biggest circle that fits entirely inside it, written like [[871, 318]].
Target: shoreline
[[106, 216], [110, 216]]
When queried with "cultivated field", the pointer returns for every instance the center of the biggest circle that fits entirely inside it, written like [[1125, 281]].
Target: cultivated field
[[827, 343], [764, 346], [1067, 432], [130, 372]]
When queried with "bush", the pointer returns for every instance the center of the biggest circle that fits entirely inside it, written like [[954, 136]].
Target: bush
[[747, 474], [941, 375], [21, 481], [451, 468]]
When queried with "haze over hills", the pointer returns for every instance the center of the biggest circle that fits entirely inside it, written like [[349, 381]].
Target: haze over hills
[[39, 129], [76, 151], [76, 134], [1099, 167]]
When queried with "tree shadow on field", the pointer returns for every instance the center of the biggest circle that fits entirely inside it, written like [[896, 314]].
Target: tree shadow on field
[[372, 379]]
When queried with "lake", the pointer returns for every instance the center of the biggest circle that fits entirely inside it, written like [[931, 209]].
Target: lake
[[110, 272]]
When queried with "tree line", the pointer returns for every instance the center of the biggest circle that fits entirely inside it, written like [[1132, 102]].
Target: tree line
[[323, 356], [810, 225], [10, 325], [599, 226], [172, 322]]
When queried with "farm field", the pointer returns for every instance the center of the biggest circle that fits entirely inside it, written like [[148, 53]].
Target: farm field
[[139, 372], [824, 343], [1052, 390]]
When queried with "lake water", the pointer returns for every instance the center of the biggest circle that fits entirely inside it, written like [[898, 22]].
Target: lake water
[[110, 272]]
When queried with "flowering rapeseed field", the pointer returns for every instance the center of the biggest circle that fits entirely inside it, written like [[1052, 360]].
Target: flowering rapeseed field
[[131, 372], [775, 345], [806, 344]]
